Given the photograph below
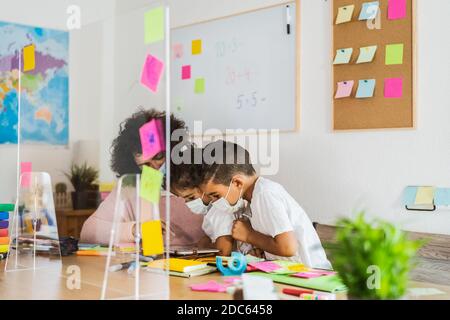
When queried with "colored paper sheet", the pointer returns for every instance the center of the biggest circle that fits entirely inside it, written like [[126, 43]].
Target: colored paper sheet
[[152, 139], [394, 54], [151, 181], [4, 224], [196, 47], [3, 233], [199, 86], [178, 50], [396, 9], [345, 14], [369, 10], [4, 240], [366, 54], [343, 56], [442, 197], [4, 215], [154, 25], [152, 72], [152, 238], [409, 196], [266, 266], [366, 88], [29, 59], [344, 89], [307, 275], [25, 167], [425, 195], [7, 207], [210, 286], [393, 87], [186, 72]]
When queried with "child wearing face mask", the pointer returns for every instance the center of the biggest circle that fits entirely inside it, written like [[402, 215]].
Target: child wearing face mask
[[277, 224]]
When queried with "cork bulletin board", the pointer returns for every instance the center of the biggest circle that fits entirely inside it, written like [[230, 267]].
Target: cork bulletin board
[[392, 103]]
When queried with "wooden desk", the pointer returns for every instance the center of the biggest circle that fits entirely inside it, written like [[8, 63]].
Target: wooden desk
[[47, 285]]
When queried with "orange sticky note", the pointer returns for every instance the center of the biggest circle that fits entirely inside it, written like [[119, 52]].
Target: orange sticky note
[[29, 61], [196, 46], [152, 239]]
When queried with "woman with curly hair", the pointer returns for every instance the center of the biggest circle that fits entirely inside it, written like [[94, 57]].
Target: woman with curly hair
[[126, 158]]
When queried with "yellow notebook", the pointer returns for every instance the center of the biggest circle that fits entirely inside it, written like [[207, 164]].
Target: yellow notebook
[[178, 265], [4, 248]]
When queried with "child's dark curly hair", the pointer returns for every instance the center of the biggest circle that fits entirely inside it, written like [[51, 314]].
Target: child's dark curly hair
[[188, 174], [128, 142]]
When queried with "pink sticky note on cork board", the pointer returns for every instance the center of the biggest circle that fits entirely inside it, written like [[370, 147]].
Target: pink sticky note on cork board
[[178, 50], [393, 87], [396, 9], [152, 72], [186, 72], [344, 89], [25, 167], [152, 138]]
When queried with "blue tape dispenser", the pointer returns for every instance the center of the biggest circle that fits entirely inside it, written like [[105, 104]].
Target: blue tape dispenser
[[237, 265]]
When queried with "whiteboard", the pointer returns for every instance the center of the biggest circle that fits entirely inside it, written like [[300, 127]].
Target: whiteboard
[[249, 65]]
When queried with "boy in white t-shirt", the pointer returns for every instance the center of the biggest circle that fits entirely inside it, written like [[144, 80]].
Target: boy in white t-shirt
[[278, 225]]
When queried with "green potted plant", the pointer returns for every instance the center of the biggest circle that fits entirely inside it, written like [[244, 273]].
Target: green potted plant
[[373, 258], [86, 194]]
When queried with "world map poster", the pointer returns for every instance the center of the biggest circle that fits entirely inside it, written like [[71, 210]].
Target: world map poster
[[44, 90]]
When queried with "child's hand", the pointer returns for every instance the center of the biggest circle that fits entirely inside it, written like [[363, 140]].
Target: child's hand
[[241, 230]]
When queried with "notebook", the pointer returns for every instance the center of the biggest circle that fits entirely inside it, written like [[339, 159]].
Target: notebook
[[186, 251], [178, 265], [194, 273]]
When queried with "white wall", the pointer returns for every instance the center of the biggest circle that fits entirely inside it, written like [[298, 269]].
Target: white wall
[[334, 174], [84, 79]]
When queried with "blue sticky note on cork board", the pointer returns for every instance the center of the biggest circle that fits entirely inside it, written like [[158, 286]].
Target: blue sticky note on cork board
[[366, 88], [442, 197]]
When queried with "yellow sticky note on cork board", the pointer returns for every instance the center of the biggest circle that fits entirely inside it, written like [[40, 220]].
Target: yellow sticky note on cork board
[[197, 47], [152, 238]]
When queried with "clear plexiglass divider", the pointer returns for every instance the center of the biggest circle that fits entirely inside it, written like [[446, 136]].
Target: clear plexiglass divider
[[34, 241], [127, 274]]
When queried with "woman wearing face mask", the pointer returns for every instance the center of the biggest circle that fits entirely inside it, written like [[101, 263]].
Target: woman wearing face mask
[[185, 178], [126, 159]]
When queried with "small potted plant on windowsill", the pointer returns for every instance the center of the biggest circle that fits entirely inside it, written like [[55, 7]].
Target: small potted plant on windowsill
[[86, 194], [373, 259]]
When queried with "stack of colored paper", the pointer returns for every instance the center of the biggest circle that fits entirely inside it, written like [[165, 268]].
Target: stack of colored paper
[[278, 267], [92, 250], [5, 209]]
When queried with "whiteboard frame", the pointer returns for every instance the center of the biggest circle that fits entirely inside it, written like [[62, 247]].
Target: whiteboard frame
[[297, 59], [414, 81]]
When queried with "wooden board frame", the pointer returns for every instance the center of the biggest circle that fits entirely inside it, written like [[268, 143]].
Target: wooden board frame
[[380, 85], [297, 62]]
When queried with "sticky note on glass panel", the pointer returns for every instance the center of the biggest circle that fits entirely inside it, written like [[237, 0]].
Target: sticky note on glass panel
[[152, 238], [393, 87], [29, 59], [154, 25], [178, 50], [396, 9], [344, 89], [343, 56], [199, 86], [25, 172], [394, 54], [425, 195], [185, 72], [152, 139], [366, 88], [150, 187], [366, 54], [345, 14], [196, 47], [442, 197], [409, 196], [152, 73], [369, 10]]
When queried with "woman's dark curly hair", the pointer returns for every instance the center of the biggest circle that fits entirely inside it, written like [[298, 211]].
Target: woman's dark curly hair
[[128, 142]]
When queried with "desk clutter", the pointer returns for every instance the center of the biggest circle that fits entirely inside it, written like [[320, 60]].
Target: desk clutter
[[5, 210]]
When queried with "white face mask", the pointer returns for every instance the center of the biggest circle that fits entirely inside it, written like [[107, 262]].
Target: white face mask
[[197, 206], [162, 169], [223, 205]]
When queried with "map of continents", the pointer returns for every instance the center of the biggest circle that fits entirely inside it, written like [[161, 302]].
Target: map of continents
[[44, 90]]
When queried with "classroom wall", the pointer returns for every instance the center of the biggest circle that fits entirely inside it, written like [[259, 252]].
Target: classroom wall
[[336, 174], [85, 77]]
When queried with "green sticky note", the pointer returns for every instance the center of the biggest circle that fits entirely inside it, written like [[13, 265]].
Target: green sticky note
[[151, 181], [199, 86], [154, 25], [394, 54]]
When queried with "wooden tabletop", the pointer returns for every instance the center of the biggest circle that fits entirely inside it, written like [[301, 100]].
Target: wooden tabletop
[[53, 284]]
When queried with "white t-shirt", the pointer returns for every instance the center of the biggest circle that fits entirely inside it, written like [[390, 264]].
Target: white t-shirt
[[274, 212]]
